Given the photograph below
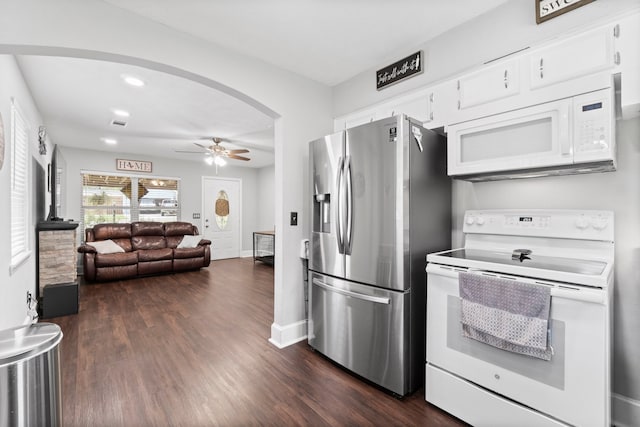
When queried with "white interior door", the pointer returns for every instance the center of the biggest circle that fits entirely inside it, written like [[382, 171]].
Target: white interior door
[[222, 211]]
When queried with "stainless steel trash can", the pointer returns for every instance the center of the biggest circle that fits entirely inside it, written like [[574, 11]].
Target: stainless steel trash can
[[30, 386]]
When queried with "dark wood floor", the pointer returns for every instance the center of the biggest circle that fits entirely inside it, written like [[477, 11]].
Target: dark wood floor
[[191, 349]]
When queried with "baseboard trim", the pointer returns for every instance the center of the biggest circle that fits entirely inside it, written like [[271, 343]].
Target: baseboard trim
[[284, 336], [246, 254], [625, 411]]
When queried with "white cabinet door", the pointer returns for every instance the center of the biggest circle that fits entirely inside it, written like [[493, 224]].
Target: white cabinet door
[[415, 107], [571, 58], [628, 56], [360, 119], [355, 119], [489, 84]]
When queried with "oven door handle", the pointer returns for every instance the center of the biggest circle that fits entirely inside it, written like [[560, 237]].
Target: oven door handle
[[596, 297], [585, 295]]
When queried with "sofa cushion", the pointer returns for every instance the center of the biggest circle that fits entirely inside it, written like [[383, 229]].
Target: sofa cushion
[[106, 247], [155, 255], [182, 253], [147, 228], [111, 231], [113, 260], [173, 241], [179, 228], [148, 242]]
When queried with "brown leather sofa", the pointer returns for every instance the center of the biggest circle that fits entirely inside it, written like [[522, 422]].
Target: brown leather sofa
[[148, 248]]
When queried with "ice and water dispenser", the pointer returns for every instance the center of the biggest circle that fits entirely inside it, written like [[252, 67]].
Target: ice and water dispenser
[[322, 213]]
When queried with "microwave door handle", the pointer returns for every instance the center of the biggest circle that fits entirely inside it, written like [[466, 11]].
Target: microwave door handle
[[339, 206], [564, 131], [349, 207]]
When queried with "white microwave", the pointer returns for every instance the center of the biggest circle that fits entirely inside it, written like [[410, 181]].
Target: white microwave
[[567, 136]]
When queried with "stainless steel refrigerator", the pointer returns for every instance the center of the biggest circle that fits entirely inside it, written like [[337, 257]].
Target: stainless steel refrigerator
[[381, 200]]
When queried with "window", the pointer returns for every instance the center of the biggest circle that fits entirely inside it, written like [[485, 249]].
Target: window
[[121, 198], [19, 184]]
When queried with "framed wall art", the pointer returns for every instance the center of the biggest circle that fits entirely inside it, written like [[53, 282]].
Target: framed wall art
[[547, 9]]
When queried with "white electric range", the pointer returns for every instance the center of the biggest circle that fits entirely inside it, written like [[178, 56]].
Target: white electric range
[[572, 254]]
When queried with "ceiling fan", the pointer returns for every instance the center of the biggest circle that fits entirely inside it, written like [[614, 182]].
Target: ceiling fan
[[216, 153]]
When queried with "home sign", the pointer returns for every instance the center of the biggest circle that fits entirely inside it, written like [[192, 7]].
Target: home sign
[[400, 70], [133, 165]]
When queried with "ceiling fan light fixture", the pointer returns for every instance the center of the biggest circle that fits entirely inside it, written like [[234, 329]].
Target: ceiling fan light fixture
[[132, 80], [220, 161], [208, 160], [120, 113]]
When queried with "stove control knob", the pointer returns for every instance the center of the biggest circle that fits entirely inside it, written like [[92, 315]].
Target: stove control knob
[[470, 220], [480, 220], [582, 222], [599, 223]]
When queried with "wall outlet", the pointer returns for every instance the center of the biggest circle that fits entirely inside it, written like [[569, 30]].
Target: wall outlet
[[294, 218]]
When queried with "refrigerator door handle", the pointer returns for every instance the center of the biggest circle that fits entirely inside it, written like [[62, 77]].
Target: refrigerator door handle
[[377, 300], [339, 179], [347, 237]]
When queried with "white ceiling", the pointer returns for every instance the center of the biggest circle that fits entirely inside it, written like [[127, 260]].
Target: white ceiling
[[76, 96]]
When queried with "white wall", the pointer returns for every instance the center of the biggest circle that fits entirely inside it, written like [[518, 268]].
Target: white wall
[[266, 197], [301, 108], [509, 28], [190, 174], [14, 286]]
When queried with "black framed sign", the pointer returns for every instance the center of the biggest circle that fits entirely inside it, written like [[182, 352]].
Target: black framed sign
[[400, 70], [547, 9]]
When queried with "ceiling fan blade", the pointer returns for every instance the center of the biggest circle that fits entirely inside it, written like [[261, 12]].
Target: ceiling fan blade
[[202, 146], [234, 156], [239, 151]]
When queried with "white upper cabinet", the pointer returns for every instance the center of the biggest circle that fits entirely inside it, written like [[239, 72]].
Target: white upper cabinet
[[356, 119], [573, 57], [416, 107], [627, 56], [569, 65], [489, 84]]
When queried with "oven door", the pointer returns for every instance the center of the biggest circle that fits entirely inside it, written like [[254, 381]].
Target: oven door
[[572, 387]]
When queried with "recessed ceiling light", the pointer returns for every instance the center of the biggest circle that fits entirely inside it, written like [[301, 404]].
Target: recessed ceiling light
[[109, 141], [133, 81], [120, 113]]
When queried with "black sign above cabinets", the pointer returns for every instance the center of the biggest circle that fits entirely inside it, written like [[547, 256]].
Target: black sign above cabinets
[[406, 67]]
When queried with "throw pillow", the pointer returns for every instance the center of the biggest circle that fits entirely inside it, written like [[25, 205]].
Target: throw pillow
[[189, 241], [106, 247]]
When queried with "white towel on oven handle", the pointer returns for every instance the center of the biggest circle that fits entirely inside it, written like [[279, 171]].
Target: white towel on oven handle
[[507, 314]]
